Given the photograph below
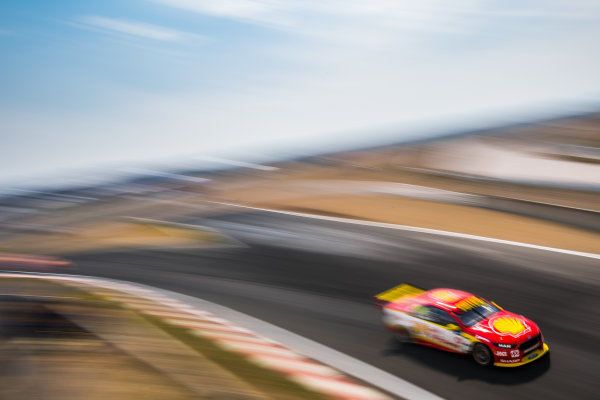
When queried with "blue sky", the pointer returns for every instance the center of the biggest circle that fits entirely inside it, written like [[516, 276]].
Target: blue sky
[[106, 83]]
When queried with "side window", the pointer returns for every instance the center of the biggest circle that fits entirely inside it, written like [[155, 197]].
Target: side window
[[433, 314], [422, 312], [442, 317]]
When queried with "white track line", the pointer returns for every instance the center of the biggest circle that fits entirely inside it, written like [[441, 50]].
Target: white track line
[[306, 347], [312, 374], [420, 230]]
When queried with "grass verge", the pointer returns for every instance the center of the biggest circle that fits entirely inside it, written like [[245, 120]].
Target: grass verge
[[267, 381], [274, 384]]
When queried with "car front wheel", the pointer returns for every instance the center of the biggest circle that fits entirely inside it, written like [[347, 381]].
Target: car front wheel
[[482, 355]]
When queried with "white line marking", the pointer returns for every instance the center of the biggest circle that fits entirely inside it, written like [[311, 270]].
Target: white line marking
[[304, 346], [311, 349], [554, 205], [421, 230]]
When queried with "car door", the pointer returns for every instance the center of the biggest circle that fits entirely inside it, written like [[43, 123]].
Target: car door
[[434, 325]]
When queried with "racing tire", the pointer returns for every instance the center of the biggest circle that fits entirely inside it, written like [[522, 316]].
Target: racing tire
[[402, 335], [482, 355]]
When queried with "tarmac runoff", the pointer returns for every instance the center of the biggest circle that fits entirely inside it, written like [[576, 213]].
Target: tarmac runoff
[[310, 364]]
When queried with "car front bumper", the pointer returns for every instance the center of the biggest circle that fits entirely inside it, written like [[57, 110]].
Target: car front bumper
[[535, 355]]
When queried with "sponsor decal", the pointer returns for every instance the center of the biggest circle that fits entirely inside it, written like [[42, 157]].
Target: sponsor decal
[[506, 346], [501, 353], [444, 295], [509, 361], [421, 329], [509, 326], [441, 339], [532, 356], [514, 353]]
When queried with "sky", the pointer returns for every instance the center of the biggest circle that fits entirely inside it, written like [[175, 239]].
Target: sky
[[105, 84]]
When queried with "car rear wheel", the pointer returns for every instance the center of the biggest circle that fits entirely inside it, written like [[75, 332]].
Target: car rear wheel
[[482, 355], [402, 335]]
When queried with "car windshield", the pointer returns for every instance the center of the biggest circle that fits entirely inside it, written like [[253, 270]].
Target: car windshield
[[475, 310]]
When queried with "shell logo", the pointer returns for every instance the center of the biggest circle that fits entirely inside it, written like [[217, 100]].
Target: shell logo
[[445, 295], [509, 326]]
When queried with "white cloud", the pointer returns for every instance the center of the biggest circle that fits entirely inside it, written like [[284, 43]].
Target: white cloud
[[335, 17], [308, 110], [132, 28], [233, 8], [257, 11], [366, 64], [299, 15]]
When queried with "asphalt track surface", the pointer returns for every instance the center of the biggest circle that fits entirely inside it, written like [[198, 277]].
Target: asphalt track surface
[[316, 278]]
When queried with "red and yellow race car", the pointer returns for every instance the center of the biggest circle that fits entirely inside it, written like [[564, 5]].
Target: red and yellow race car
[[461, 322]]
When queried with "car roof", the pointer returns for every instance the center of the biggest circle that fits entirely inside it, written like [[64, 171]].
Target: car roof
[[443, 298]]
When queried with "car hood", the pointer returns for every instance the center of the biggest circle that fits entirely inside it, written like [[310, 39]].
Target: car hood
[[506, 327]]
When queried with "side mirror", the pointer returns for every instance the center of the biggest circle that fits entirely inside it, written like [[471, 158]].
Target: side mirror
[[453, 327]]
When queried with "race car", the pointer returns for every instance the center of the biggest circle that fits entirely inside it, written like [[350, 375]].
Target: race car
[[461, 322]]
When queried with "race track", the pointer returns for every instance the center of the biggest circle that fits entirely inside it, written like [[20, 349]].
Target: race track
[[316, 278]]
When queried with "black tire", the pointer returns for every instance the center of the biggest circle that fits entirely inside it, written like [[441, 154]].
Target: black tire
[[402, 335], [482, 355]]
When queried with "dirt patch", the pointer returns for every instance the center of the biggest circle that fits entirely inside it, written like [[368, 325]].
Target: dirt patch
[[109, 235], [281, 183], [65, 341], [43, 355], [82, 374], [442, 216]]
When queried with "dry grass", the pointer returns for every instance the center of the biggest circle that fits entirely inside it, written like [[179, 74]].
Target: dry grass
[[84, 365], [434, 215], [109, 235]]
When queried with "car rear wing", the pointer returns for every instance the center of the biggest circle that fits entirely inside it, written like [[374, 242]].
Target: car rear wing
[[396, 293]]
